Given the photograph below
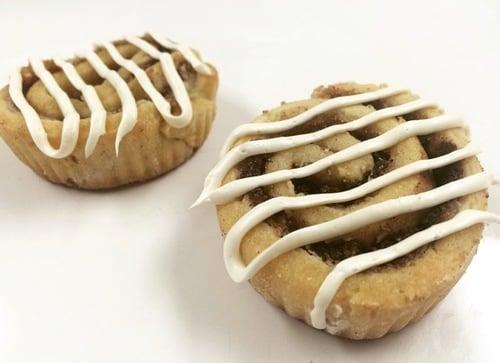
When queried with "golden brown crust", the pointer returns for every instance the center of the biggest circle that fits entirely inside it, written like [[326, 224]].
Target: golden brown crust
[[379, 300], [152, 148]]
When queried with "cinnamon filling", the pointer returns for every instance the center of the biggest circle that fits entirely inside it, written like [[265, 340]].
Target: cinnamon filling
[[332, 252]]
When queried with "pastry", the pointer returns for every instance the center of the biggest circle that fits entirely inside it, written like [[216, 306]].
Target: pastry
[[124, 112], [356, 210]]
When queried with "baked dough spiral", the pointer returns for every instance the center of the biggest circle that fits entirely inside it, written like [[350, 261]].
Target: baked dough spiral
[[125, 112], [355, 211]]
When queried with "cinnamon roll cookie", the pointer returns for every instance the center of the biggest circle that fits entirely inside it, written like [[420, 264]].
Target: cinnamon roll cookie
[[124, 112], [356, 210]]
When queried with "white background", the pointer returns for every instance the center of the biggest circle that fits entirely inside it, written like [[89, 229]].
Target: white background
[[132, 275]]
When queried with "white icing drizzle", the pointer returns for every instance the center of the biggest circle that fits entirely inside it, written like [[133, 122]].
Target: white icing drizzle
[[355, 264], [187, 53], [97, 110], [397, 134], [272, 206], [173, 79], [266, 128], [349, 223], [129, 107], [70, 128], [217, 194], [256, 147]]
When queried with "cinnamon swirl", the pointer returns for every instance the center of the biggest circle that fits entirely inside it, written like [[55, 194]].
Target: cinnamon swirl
[[356, 210], [124, 112]]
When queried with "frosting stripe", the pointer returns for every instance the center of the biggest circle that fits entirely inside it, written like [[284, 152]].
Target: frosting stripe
[[350, 222], [355, 264], [265, 146], [129, 113], [186, 52], [173, 79], [272, 206], [33, 121], [97, 110], [70, 126], [231, 155], [129, 107], [161, 104], [397, 134], [265, 128]]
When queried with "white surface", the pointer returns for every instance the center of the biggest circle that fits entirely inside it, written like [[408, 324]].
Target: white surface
[[133, 276]]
